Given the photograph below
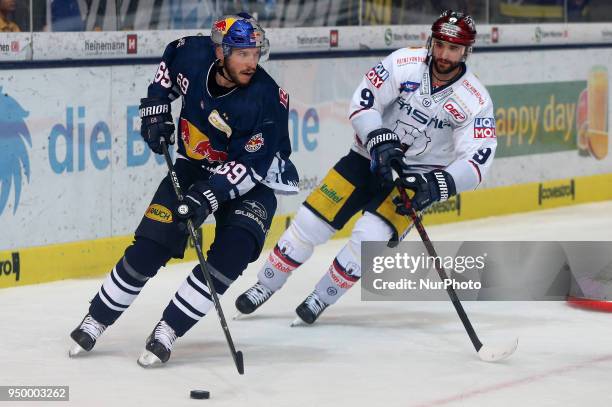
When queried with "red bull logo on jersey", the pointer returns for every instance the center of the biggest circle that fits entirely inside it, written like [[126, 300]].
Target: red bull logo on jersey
[[254, 143], [197, 144], [484, 127]]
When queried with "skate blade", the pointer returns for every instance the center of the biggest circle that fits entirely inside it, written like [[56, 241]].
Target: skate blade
[[298, 322], [149, 360], [239, 316], [76, 350]]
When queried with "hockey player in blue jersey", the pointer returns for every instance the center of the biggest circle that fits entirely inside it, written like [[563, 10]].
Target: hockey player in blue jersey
[[233, 153]]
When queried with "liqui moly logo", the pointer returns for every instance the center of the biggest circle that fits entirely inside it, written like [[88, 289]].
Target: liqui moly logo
[[377, 75], [484, 127]]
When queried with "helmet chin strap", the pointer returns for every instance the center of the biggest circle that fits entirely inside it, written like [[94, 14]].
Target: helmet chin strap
[[221, 70]]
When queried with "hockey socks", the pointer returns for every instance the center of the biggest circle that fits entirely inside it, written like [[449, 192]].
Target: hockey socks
[[193, 299], [278, 267], [140, 262], [117, 293], [336, 282]]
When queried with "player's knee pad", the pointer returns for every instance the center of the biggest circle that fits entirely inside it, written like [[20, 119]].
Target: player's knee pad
[[309, 228], [144, 257], [294, 247], [368, 228], [226, 268]]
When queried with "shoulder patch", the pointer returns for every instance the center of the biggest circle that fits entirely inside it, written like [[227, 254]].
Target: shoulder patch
[[378, 75], [283, 97], [484, 127]]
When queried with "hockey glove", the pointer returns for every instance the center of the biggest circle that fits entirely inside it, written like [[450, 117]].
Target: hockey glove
[[198, 203], [386, 152], [156, 122], [434, 186]]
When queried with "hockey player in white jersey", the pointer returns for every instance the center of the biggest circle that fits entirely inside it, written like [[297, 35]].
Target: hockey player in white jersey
[[420, 110]]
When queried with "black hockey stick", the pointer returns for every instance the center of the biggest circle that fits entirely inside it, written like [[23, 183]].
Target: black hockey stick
[[486, 353], [236, 355]]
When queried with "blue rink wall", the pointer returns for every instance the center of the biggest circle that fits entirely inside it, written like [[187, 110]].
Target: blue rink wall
[[76, 177]]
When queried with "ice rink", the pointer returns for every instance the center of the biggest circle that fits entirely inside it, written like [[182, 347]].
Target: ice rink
[[357, 354]]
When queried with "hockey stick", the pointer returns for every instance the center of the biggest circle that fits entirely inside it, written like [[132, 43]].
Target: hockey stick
[[236, 355], [485, 352]]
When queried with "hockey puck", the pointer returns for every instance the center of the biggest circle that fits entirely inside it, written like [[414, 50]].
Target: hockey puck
[[199, 394]]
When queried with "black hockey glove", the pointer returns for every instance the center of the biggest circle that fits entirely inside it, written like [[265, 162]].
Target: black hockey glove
[[197, 204], [434, 186], [156, 122], [386, 152]]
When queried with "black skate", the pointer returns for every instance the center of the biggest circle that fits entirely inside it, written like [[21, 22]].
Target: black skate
[[85, 335], [158, 346], [310, 309], [253, 298]]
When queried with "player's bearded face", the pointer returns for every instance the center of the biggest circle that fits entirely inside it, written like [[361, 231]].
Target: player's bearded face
[[446, 56], [241, 65]]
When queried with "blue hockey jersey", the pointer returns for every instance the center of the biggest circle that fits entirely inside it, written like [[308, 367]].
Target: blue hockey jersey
[[242, 137]]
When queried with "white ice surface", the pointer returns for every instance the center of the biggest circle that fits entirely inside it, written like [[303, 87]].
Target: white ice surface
[[358, 354]]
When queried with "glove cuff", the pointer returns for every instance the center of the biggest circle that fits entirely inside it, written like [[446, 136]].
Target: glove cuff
[[206, 194], [154, 107], [381, 136], [444, 183]]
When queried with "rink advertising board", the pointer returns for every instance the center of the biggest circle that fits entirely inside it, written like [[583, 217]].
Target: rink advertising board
[[15, 46], [138, 44], [77, 177]]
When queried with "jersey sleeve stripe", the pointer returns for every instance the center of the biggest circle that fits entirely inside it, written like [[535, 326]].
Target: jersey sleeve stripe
[[477, 170]]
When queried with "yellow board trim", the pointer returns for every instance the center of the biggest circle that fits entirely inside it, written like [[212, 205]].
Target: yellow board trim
[[96, 257]]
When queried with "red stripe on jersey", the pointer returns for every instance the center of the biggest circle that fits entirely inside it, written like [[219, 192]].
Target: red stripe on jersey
[[477, 171], [358, 111]]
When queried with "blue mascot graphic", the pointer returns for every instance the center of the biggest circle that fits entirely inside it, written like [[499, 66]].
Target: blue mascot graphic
[[14, 160]]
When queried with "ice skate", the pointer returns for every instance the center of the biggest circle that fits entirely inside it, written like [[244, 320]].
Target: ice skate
[[252, 299], [309, 310], [85, 335], [158, 346]]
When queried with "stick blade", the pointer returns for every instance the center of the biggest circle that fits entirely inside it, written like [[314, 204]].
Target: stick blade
[[239, 362], [497, 353]]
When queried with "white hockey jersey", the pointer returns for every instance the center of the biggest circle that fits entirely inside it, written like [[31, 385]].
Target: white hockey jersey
[[452, 127]]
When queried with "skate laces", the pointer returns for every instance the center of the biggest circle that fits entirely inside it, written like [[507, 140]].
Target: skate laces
[[165, 335], [92, 327], [258, 293], [314, 303]]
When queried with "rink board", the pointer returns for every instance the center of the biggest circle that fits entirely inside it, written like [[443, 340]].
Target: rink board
[[77, 175], [95, 257]]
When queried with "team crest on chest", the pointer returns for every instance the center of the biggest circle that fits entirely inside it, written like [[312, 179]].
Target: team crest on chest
[[218, 123], [254, 143]]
